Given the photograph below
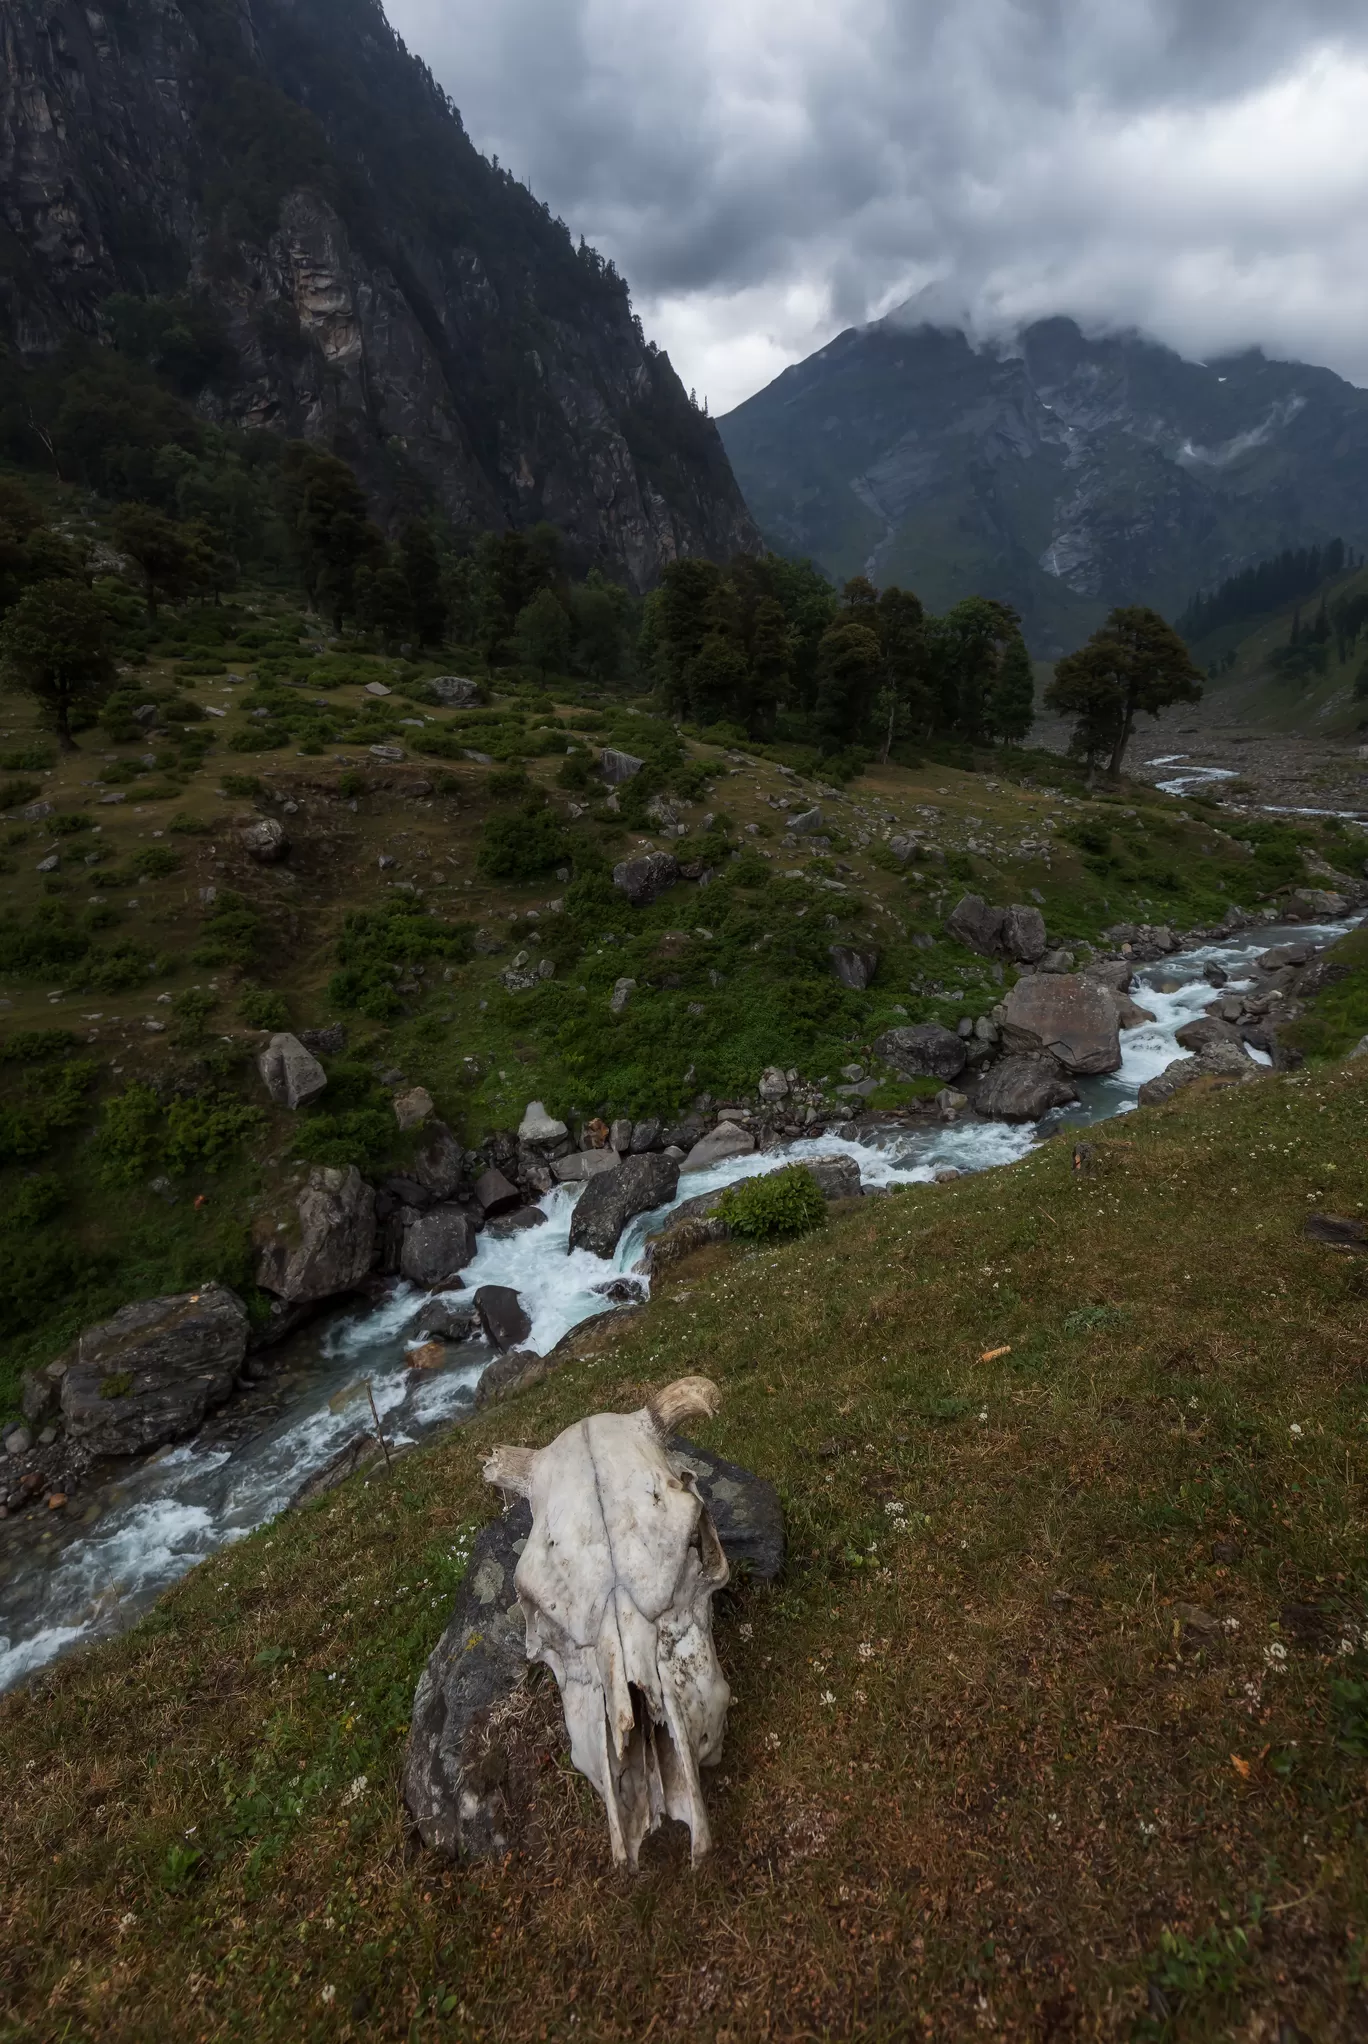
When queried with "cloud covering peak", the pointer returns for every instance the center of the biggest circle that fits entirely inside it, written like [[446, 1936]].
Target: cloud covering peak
[[767, 172]]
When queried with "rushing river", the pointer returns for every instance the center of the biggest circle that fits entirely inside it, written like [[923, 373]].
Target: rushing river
[[69, 1582]]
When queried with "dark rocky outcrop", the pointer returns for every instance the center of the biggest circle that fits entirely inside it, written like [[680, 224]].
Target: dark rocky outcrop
[[437, 1244], [854, 969], [614, 1198], [151, 1373], [326, 1246], [472, 1766], [923, 1050], [642, 879], [503, 1317], [1017, 932], [370, 281]]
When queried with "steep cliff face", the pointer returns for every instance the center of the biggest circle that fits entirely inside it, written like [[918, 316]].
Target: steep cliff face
[[382, 287], [1065, 475]]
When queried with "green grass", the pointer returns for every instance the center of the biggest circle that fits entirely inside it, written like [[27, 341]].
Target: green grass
[[983, 1773]]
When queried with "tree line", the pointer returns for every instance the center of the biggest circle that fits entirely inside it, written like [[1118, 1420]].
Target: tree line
[[1269, 585]]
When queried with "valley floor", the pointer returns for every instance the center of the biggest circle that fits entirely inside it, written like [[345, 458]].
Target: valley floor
[[1054, 1728], [1274, 769]]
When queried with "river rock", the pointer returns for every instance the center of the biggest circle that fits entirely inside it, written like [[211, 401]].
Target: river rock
[[1023, 1089], [503, 1317], [1314, 904], [413, 1108], [327, 1247], [266, 841], [437, 1166], [854, 969], [292, 1075], [152, 1372], [440, 1320], [1219, 1061], [610, 1201], [539, 1128], [837, 1177], [774, 1085], [1204, 1031], [471, 1769], [437, 1245], [923, 1050], [617, 767], [1072, 1018], [495, 1194], [642, 879], [1116, 973], [718, 1147]]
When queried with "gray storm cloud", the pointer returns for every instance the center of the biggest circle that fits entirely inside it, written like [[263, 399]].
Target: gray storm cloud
[[766, 172]]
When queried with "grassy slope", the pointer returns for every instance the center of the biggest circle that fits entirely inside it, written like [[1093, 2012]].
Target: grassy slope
[[1322, 707], [482, 1051], [980, 1778]]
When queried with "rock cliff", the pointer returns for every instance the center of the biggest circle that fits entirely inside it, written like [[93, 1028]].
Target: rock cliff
[[370, 280]]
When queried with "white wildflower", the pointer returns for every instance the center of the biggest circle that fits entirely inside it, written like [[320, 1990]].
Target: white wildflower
[[828, 1697], [1296, 1431], [747, 1630], [354, 1791], [865, 1650], [328, 1995]]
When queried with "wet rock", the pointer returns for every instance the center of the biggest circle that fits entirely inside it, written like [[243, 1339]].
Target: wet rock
[[724, 1142], [495, 1194], [471, 1771], [152, 1372], [1116, 973], [505, 1322], [617, 767], [1314, 904], [1215, 975], [612, 1200], [516, 1223], [265, 841], [413, 1108], [620, 1135], [690, 1227], [623, 1291], [440, 1320], [1204, 1031], [326, 1247], [357, 1455], [923, 1050], [437, 1245], [642, 879], [1071, 1018], [291, 1074], [836, 1177], [1024, 1089], [1220, 1061], [854, 969]]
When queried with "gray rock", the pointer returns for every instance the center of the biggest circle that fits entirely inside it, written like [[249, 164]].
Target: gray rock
[[623, 989], [48, 865], [724, 1142], [1023, 1089], [1071, 1018], [774, 1085], [923, 1050], [516, 1223], [39, 1396], [1023, 934], [807, 824], [292, 1075], [326, 1247], [266, 841], [152, 1372], [457, 691], [392, 754], [1204, 1031], [330, 1042], [617, 767], [471, 1768], [1219, 1061], [978, 927], [642, 879], [495, 1194], [540, 1128], [437, 1166], [1056, 961], [836, 1177], [682, 1135], [595, 1163], [611, 1201], [505, 1322], [439, 1320], [437, 1245], [18, 1441], [645, 1136], [1116, 973], [620, 1136], [854, 969]]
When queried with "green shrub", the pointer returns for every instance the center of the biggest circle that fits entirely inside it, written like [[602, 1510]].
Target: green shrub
[[780, 1203], [37, 1201], [13, 793], [34, 759], [246, 787], [189, 826], [261, 1009], [575, 771], [192, 1010], [364, 1137], [123, 967], [155, 862], [506, 782], [128, 1139], [522, 846], [37, 1046], [351, 784], [233, 932], [204, 1130], [749, 870]]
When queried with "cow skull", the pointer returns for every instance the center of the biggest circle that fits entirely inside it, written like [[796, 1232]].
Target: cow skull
[[616, 1585]]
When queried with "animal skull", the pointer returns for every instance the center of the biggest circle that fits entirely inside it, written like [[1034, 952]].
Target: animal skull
[[616, 1586]]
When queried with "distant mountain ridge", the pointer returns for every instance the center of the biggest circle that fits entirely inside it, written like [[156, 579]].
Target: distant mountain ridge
[[380, 287], [1064, 474]]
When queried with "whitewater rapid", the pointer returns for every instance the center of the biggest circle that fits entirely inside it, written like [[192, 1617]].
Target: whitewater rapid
[[64, 1584]]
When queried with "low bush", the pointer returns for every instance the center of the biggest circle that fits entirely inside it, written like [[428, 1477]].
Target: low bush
[[777, 1205], [259, 1008], [523, 845]]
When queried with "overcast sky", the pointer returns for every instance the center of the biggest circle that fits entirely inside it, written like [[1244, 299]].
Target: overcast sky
[[767, 172]]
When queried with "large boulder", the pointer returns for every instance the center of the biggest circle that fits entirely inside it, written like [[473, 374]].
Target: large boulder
[[1023, 934], [438, 1164], [540, 1128], [642, 879], [437, 1245], [1204, 1031], [614, 1198], [457, 691], [266, 841], [723, 1143], [326, 1247], [152, 1372], [503, 1317], [1219, 1061], [1023, 1088], [923, 1050], [1070, 1017], [472, 1770], [1017, 932], [494, 1192], [292, 1075], [617, 767], [837, 1177], [854, 969]]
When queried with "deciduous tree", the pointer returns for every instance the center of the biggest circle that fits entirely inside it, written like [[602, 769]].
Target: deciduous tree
[[1134, 663], [54, 644]]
